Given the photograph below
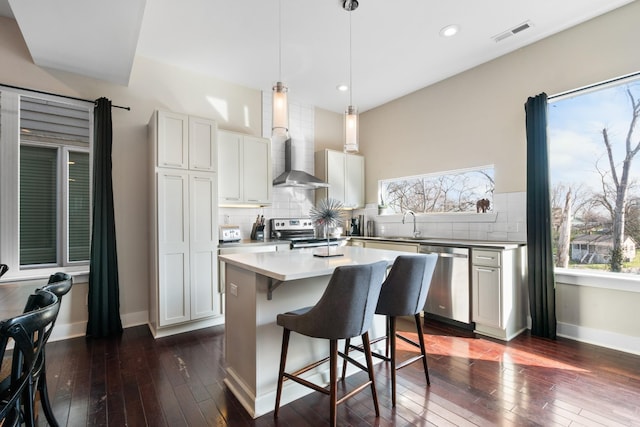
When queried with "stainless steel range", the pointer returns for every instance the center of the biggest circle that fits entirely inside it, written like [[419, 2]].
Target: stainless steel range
[[299, 231]]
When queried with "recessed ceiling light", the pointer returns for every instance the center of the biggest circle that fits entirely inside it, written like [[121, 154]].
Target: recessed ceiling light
[[342, 87], [449, 31]]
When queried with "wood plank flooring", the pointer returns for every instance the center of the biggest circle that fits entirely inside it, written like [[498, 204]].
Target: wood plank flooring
[[178, 381]]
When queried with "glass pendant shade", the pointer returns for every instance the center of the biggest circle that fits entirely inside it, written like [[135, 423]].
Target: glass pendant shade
[[280, 113], [351, 130]]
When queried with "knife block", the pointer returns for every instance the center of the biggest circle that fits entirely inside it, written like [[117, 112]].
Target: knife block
[[257, 232]]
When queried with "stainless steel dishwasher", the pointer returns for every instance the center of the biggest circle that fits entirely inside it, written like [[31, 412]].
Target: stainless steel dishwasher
[[449, 295]]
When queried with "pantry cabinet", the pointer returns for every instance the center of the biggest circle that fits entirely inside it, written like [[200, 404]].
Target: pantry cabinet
[[184, 291], [244, 165], [344, 172], [498, 296]]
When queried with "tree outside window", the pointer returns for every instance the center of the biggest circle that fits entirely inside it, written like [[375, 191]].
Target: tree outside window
[[468, 190], [594, 139]]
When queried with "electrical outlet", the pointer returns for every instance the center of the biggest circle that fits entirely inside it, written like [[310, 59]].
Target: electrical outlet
[[233, 289]]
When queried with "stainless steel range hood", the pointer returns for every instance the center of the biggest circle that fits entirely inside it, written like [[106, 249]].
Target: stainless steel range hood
[[296, 178]]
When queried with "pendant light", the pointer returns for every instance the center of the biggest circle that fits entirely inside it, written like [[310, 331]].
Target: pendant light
[[280, 108], [351, 113]]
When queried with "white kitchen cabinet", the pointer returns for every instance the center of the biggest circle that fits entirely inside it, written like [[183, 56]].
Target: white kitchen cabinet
[[498, 297], [184, 142], [184, 231], [244, 164], [344, 172]]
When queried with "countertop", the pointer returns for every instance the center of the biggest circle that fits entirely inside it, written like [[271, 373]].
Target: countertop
[[446, 242], [302, 264]]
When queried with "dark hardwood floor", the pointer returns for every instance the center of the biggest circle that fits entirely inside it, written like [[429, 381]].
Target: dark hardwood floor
[[175, 381]]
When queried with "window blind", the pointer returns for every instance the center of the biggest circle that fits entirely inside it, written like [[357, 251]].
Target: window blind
[[42, 120], [79, 206], [38, 205]]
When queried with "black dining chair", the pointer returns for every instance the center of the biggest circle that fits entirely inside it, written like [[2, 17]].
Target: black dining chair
[[345, 310], [59, 284], [29, 333], [404, 293]]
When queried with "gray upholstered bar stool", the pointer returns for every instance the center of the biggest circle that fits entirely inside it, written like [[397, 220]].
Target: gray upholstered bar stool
[[404, 293], [345, 310]]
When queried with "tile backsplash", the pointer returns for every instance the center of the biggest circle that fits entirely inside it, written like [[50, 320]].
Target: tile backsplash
[[505, 221]]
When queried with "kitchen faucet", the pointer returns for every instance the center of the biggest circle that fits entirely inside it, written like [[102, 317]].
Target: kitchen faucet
[[404, 216]]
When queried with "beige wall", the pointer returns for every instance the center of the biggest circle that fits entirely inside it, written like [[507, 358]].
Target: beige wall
[[477, 117], [328, 130]]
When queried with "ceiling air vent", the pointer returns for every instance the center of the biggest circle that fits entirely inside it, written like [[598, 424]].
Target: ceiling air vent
[[513, 31]]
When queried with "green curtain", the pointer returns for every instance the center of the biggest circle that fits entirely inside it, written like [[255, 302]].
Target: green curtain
[[542, 297], [104, 298]]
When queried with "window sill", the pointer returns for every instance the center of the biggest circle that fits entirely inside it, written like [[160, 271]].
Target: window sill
[[443, 217], [80, 274], [615, 281]]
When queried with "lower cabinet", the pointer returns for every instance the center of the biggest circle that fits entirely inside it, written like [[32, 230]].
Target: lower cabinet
[[498, 292]]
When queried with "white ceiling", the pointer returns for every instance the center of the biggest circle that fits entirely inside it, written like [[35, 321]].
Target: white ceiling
[[396, 46]]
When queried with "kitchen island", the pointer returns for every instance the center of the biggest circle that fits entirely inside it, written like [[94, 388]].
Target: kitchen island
[[258, 286]]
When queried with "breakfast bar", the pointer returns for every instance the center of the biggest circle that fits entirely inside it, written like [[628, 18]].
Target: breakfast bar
[[258, 286]]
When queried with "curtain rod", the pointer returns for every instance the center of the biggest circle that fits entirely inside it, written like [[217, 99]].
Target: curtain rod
[[61, 96], [594, 85]]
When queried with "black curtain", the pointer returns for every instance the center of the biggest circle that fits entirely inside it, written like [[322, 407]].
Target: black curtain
[[104, 298], [542, 297]]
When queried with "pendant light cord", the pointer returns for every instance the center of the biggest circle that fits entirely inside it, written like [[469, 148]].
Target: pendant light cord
[[350, 63], [280, 40]]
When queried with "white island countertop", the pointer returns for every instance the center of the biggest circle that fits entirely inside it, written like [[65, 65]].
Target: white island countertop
[[301, 263]]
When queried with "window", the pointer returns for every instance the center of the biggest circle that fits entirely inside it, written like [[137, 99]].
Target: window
[[45, 156], [594, 167], [451, 191]]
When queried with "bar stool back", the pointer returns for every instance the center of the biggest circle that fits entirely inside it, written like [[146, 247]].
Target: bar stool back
[[345, 310]]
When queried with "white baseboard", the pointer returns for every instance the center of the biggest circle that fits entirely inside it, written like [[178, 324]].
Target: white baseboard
[[611, 340], [64, 331]]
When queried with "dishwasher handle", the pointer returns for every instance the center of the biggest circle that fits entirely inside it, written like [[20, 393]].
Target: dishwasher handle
[[464, 253]]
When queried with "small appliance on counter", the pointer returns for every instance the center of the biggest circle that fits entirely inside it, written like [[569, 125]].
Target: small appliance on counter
[[229, 233], [356, 225], [257, 230]]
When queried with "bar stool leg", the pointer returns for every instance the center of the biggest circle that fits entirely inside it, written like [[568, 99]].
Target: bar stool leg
[[333, 376], [283, 360], [347, 342], [422, 348], [44, 398], [367, 352], [392, 340]]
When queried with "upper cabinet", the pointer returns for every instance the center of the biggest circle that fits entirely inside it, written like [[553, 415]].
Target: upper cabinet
[[244, 166], [185, 142], [344, 173]]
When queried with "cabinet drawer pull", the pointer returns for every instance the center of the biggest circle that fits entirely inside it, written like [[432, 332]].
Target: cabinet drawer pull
[[485, 257], [486, 270], [232, 198]]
